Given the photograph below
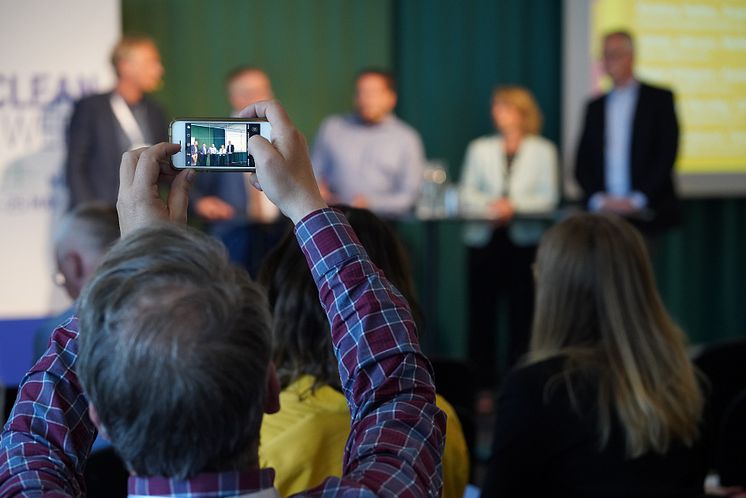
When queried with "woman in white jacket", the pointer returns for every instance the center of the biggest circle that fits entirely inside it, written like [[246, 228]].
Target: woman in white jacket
[[513, 172]]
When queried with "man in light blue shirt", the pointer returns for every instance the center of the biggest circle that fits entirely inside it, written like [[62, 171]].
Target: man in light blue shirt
[[370, 159]]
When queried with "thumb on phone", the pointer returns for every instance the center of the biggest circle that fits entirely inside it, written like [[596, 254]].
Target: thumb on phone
[[178, 196]]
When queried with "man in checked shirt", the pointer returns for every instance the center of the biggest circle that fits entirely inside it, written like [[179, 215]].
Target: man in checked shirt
[[172, 358]]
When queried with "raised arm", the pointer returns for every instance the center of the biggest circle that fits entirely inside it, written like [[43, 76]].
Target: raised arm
[[45, 444], [397, 432], [46, 441]]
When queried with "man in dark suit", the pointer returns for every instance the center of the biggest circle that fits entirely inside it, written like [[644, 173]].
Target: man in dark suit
[[230, 150], [104, 126], [628, 147]]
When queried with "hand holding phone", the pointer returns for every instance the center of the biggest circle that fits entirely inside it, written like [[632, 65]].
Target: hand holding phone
[[216, 144], [139, 203], [284, 169]]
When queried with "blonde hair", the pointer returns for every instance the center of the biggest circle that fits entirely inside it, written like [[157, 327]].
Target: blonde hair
[[597, 306], [124, 48], [524, 101]]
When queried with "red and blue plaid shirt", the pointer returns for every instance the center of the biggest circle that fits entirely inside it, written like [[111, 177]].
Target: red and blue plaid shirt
[[397, 433]]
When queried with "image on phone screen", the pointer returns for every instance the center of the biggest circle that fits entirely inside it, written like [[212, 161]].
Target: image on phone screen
[[219, 144]]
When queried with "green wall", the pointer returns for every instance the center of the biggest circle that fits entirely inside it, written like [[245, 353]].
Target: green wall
[[310, 49], [448, 57], [701, 269]]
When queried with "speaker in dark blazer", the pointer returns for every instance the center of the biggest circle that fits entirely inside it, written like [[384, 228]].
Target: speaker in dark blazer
[[96, 141], [654, 145]]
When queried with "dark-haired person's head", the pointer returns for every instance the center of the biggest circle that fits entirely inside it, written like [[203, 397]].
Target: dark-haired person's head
[[375, 95], [175, 347], [598, 307], [302, 341]]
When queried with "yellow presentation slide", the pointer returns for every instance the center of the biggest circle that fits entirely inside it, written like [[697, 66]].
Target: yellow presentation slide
[[698, 49]]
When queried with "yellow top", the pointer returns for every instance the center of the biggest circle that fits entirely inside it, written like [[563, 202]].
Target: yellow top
[[304, 442]]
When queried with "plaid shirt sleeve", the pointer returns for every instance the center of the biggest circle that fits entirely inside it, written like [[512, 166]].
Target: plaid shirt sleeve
[[46, 441], [397, 433]]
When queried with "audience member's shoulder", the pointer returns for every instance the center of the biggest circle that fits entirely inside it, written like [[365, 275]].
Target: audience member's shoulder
[[533, 375], [545, 383]]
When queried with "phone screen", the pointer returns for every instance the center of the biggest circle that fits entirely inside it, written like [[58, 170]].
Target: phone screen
[[219, 144]]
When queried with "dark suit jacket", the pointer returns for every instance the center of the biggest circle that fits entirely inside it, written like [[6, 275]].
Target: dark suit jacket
[[94, 151], [655, 140], [544, 446]]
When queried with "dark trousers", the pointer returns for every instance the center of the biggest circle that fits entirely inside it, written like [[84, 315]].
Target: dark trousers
[[500, 269]]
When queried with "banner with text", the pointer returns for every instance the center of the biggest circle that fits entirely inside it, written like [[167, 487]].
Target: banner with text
[[51, 54]]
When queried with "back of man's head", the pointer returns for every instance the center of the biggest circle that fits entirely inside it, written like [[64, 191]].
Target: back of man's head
[[81, 238], [174, 354]]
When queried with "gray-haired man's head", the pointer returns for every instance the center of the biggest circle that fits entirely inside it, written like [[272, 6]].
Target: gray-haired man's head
[[175, 354], [81, 238]]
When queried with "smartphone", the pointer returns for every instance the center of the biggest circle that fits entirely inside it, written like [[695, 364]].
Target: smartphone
[[216, 144]]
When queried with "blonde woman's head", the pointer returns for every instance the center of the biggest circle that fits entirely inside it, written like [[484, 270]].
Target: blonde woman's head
[[514, 108]]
